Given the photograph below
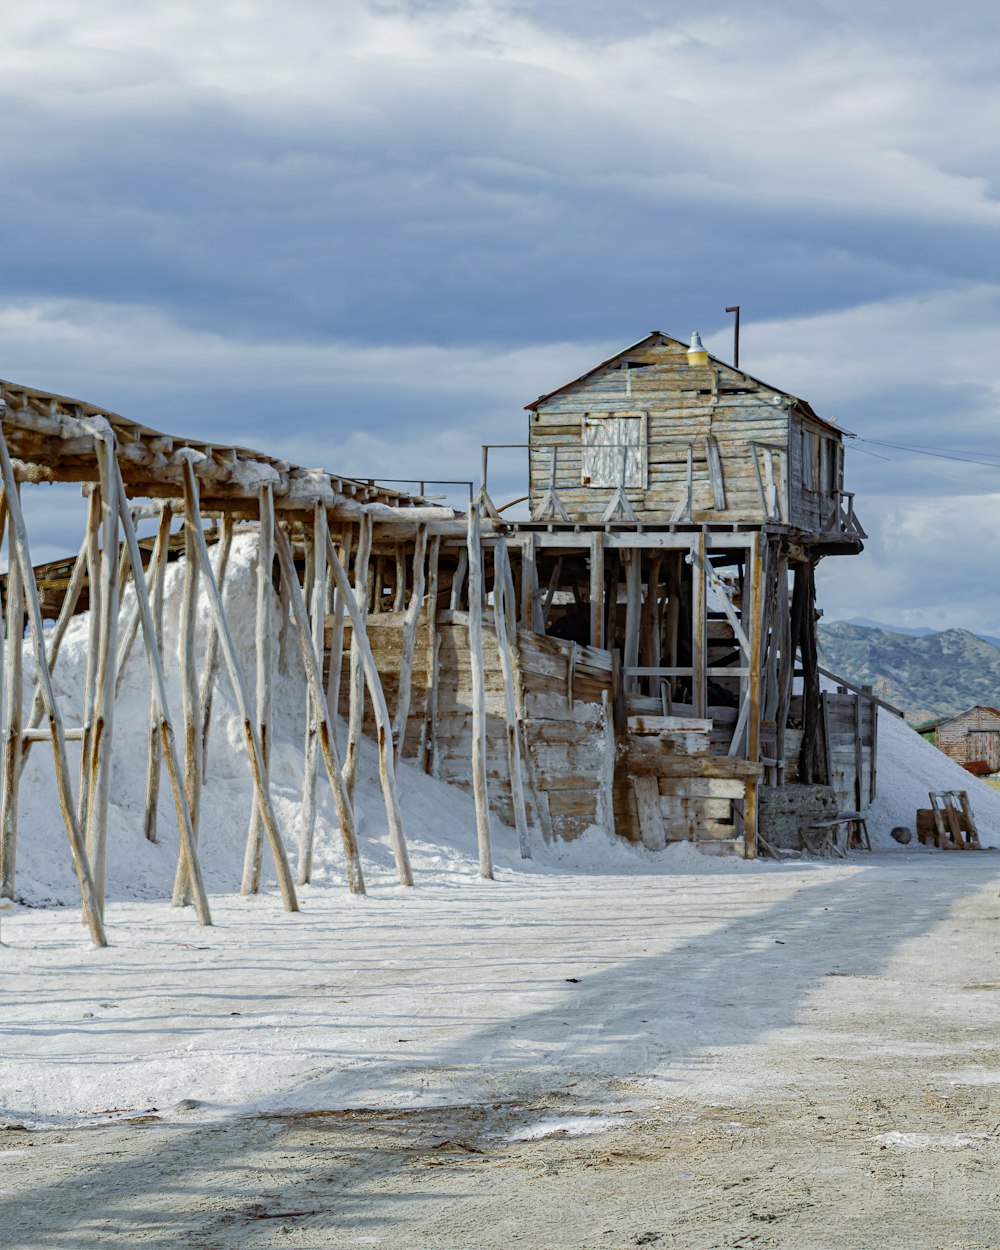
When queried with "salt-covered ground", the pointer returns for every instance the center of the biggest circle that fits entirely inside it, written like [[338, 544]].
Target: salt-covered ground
[[601, 996]]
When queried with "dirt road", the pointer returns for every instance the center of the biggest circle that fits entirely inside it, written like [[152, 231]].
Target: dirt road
[[813, 1072]]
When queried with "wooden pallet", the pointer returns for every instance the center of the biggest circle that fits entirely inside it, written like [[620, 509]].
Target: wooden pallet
[[948, 823]]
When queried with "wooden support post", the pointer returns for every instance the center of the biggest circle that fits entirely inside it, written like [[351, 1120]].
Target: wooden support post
[[66, 611], [190, 702], [127, 636], [101, 730], [317, 699], [13, 712], [21, 557], [282, 870], [503, 614], [428, 729], [189, 848], [786, 666], [410, 622], [211, 666], [458, 581], [399, 598], [633, 614], [336, 660], [254, 853], [93, 645], [699, 631], [532, 616], [316, 710], [597, 589], [387, 771], [479, 778], [155, 753], [356, 712], [755, 588]]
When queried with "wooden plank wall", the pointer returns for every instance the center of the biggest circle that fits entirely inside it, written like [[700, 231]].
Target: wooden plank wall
[[970, 736], [684, 406], [849, 722], [566, 728], [562, 685]]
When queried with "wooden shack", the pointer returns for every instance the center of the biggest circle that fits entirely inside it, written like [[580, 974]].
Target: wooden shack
[[972, 738], [663, 661]]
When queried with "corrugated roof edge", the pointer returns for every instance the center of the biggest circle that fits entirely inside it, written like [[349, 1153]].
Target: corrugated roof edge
[[803, 405]]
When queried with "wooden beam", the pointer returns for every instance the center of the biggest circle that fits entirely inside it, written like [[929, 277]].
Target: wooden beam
[[479, 776], [503, 615], [597, 589], [253, 854], [155, 748], [411, 620], [699, 644]]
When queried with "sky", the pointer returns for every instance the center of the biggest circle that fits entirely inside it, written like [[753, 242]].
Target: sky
[[363, 234]]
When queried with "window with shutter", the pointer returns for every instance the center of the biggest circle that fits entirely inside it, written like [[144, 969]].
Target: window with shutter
[[614, 449]]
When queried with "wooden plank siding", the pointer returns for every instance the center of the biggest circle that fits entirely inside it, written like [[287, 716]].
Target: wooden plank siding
[[685, 408], [971, 737], [564, 729]]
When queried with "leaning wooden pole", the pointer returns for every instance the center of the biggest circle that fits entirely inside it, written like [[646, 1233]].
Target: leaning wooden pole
[[480, 784], [13, 723], [190, 694], [501, 565], [210, 670], [316, 709], [756, 589], [285, 883], [102, 728], [429, 726], [21, 556], [254, 853], [317, 699], [155, 751], [189, 847], [356, 711], [70, 600], [410, 622], [93, 643], [387, 770]]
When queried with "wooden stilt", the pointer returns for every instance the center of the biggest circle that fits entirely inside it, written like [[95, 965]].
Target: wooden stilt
[[153, 643], [190, 695], [427, 729], [254, 853], [387, 771], [410, 622], [597, 589], [356, 710], [699, 641], [155, 752], [458, 581], [102, 729], [21, 557], [13, 714], [282, 870], [93, 642], [210, 669], [753, 724], [479, 777], [633, 615], [317, 696], [502, 614], [399, 599], [316, 712], [54, 642], [127, 636], [337, 639]]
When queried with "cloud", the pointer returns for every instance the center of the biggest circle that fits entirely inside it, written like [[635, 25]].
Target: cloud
[[365, 234]]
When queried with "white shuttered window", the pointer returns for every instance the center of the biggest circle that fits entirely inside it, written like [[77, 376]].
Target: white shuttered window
[[614, 449]]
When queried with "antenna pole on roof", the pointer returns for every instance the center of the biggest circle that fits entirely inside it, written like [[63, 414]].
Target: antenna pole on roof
[[735, 308]]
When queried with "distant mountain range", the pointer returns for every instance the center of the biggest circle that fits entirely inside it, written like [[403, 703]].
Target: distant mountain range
[[920, 632], [925, 674]]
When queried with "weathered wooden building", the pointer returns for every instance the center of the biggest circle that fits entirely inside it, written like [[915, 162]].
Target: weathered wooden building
[[661, 652], [972, 738]]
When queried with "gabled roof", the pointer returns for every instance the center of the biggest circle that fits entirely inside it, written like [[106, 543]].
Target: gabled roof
[[804, 408], [945, 720]]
